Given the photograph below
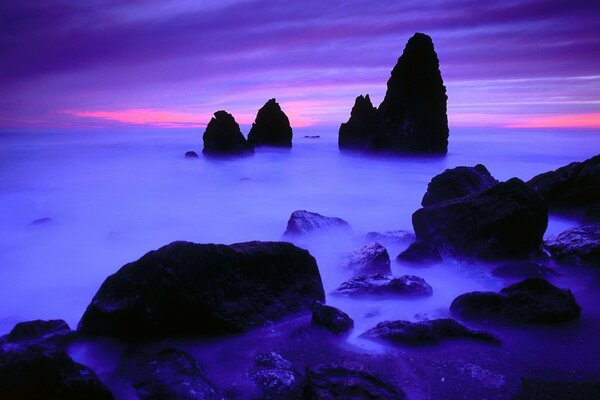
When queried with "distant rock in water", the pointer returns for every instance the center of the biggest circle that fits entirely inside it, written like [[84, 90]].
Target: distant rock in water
[[191, 154], [271, 127], [41, 221], [384, 286], [372, 258], [579, 245], [312, 136], [223, 137], [412, 117], [458, 182], [302, 222]]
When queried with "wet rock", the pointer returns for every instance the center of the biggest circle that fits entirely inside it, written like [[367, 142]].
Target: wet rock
[[507, 221], [379, 285], [336, 382], [424, 332], [458, 182], [390, 237], [331, 318], [275, 376], [271, 127], [579, 245], [191, 154], [54, 331], [223, 137], [302, 222], [532, 301], [534, 389], [522, 270], [412, 116], [204, 289], [420, 253], [372, 258]]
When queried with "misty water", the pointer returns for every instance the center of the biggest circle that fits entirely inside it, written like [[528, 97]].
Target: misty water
[[113, 196]]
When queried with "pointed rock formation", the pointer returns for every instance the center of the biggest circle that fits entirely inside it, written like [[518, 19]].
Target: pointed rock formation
[[412, 117], [223, 136], [271, 127]]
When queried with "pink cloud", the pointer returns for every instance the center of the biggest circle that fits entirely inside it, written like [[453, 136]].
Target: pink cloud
[[587, 121]]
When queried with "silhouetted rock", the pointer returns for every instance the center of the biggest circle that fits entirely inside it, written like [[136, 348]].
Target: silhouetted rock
[[372, 258], [302, 222], [223, 137], [412, 116], [532, 301], [191, 154], [505, 222], [271, 127], [522, 270], [424, 332], [312, 136], [579, 245], [55, 331], [205, 289], [331, 318], [336, 382], [379, 285], [534, 389], [458, 182], [275, 376], [42, 221], [574, 188], [420, 253]]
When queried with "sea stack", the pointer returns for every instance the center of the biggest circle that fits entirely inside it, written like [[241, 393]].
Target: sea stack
[[271, 127], [223, 137], [412, 117]]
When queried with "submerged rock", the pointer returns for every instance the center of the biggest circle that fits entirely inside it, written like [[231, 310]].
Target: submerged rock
[[204, 289], [532, 301], [579, 245], [420, 253], [275, 376], [522, 270], [302, 222], [458, 182], [223, 137], [271, 127], [191, 154], [379, 285], [372, 258], [534, 389], [331, 318], [505, 222], [55, 331]]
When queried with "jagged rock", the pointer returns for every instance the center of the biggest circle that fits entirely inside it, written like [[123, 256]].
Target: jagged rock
[[223, 137], [579, 245], [271, 127], [204, 289], [534, 389], [379, 285], [420, 253], [424, 332], [55, 331], [191, 154], [331, 318], [532, 301], [412, 116], [275, 375], [458, 182], [522, 270], [507, 221], [372, 258], [302, 222]]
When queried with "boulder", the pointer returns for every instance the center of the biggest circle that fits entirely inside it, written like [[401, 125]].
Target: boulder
[[55, 331], [191, 154], [370, 259], [579, 245], [507, 221], [275, 376], [223, 137], [535, 389], [412, 117], [532, 301], [420, 253], [522, 270], [379, 285], [458, 182], [204, 289], [424, 332], [271, 127], [302, 222], [331, 318]]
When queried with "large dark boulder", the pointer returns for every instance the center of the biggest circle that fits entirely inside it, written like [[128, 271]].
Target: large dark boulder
[[532, 301], [275, 376], [412, 116], [55, 331], [204, 289], [223, 137], [420, 253], [331, 318], [271, 127], [458, 182], [579, 245], [535, 389], [379, 285], [372, 258], [505, 222], [302, 222]]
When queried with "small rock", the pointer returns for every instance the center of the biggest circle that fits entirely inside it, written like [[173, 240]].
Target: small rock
[[191, 154], [420, 253], [312, 137], [331, 318], [41, 221], [55, 331], [372, 258], [379, 285], [302, 222]]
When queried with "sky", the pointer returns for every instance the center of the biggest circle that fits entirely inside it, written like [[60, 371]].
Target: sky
[[172, 64]]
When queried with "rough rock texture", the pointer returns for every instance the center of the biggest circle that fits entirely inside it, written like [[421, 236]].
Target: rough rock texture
[[271, 127], [458, 182], [204, 289], [522, 270], [223, 137], [390, 237], [191, 154], [425, 332], [302, 222], [532, 301], [55, 331], [412, 116], [336, 382], [331, 318], [533, 389], [505, 222], [372, 258], [379, 285], [420, 253], [580, 245], [275, 376]]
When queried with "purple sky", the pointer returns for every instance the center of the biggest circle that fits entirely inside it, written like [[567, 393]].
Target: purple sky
[[105, 63]]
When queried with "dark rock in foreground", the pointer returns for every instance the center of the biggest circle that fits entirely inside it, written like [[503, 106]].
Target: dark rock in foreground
[[425, 332], [379, 285], [579, 245], [534, 389], [331, 318], [532, 301], [505, 222], [522, 270], [302, 222], [191, 154], [204, 289], [55, 332], [458, 182], [271, 127], [420, 253], [223, 137], [372, 258], [275, 376], [337, 382]]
